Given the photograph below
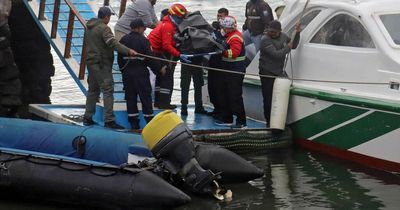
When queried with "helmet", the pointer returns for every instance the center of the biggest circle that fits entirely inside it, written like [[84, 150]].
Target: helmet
[[177, 10], [228, 22]]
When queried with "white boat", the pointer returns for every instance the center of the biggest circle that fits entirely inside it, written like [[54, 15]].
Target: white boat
[[346, 77]]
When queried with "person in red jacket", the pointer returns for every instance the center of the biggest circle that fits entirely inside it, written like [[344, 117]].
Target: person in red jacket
[[231, 83], [163, 44]]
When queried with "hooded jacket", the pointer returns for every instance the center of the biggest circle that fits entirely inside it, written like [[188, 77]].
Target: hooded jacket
[[101, 42], [162, 37]]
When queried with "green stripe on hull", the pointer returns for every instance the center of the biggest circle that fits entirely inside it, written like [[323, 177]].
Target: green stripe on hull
[[379, 104], [325, 119], [360, 131]]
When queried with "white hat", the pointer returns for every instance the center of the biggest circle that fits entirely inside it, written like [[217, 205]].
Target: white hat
[[228, 22]]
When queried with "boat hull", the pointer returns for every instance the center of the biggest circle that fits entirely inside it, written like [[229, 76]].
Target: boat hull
[[353, 128], [357, 129]]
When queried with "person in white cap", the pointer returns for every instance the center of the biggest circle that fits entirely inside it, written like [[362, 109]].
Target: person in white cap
[[231, 83]]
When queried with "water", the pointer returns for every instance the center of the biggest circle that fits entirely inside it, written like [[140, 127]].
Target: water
[[294, 178]]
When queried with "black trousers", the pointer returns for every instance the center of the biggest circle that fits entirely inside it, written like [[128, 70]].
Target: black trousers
[[187, 73], [267, 85], [213, 82], [137, 85], [230, 98], [165, 84]]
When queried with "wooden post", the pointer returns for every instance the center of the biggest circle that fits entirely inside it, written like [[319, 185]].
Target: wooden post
[[56, 14], [82, 66], [122, 8], [70, 30], [41, 10]]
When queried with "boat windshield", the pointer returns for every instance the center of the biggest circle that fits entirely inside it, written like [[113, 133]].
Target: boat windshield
[[391, 22]]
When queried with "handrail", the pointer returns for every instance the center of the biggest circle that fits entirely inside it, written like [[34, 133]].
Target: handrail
[[73, 12], [122, 8]]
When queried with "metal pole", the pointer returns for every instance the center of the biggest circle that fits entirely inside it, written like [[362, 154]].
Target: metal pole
[[82, 67], [56, 14], [41, 10], [70, 29], [122, 7]]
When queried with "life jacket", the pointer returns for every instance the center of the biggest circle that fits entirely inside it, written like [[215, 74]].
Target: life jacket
[[237, 50]]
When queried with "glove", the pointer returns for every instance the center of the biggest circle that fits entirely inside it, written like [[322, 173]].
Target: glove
[[226, 45], [184, 58], [214, 36], [216, 25]]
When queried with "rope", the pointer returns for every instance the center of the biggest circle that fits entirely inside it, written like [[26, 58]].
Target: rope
[[104, 171], [261, 75], [242, 141]]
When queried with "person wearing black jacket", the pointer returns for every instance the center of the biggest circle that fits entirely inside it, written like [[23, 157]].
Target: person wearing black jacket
[[258, 15], [275, 45], [135, 74], [214, 77]]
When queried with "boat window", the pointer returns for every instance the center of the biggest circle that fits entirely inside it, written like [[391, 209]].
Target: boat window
[[306, 20], [392, 25], [344, 30]]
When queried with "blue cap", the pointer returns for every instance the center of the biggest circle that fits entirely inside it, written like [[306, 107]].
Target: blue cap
[[104, 12]]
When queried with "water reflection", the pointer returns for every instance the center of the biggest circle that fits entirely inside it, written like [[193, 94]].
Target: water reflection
[[296, 179]]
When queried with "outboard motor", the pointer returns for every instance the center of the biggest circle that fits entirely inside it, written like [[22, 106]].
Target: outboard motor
[[171, 142]]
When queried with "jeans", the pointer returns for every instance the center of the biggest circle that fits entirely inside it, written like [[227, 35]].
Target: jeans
[[249, 39]]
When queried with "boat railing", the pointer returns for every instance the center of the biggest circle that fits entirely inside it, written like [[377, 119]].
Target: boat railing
[[73, 13]]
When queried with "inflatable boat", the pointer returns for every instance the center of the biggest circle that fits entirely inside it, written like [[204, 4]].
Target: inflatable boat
[[84, 182], [180, 159]]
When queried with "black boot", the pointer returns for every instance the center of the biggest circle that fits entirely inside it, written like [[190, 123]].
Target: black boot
[[134, 121], [184, 111], [148, 119], [200, 110]]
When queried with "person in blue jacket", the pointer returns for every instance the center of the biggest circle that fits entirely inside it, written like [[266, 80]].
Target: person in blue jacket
[[135, 74]]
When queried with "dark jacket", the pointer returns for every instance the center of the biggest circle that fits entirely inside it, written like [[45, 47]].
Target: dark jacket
[[138, 65], [258, 14], [100, 43], [273, 53]]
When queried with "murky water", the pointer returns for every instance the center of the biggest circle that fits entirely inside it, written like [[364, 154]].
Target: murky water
[[294, 178]]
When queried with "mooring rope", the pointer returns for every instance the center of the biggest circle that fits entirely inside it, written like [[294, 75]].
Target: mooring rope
[[262, 75]]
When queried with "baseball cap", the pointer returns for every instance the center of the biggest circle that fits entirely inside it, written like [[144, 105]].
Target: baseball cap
[[104, 12], [275, 26]]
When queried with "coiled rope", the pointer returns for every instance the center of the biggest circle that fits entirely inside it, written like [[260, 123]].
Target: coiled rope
[[242, 141]]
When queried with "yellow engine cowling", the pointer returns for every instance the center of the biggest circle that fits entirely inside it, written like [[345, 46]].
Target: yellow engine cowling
[[159, 127]]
